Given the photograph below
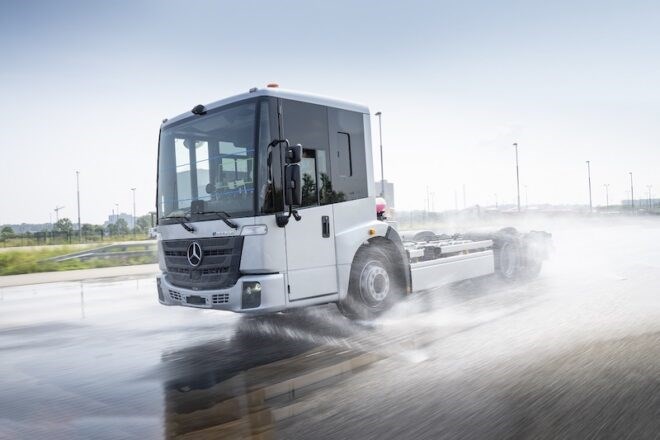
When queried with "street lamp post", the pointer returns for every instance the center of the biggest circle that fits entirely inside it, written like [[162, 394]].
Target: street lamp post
[[78, 196], [380, 138], [116, 212], [650, 203], [517, 175], [133, 189], [632, 193], [591, 206], [607, 195]]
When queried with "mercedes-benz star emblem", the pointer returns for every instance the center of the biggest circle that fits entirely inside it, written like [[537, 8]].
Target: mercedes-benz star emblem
[[194, 254]]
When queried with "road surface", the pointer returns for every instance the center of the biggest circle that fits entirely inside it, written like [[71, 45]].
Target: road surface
[[572, 354]]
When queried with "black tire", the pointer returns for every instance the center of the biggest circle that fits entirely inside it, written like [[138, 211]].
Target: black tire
[[518, 257], [508, 260], [508, 254], [374, 286]]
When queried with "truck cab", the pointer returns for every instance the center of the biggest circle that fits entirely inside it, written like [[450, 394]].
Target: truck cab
[[221, 195]]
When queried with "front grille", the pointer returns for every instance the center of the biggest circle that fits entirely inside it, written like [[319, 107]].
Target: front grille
[[220, 298], [219, 268]]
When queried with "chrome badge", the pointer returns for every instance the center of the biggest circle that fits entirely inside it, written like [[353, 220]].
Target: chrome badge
[[194, 254]]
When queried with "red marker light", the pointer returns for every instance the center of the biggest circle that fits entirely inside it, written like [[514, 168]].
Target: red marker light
[[272, 85]]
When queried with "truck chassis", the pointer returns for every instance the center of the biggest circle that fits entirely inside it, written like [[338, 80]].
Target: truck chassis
[[437, 260]]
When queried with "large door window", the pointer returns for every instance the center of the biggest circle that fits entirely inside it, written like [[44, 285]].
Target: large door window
[[307, 124]]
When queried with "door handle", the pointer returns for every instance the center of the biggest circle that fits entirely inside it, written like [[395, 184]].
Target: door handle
[[325, 226]]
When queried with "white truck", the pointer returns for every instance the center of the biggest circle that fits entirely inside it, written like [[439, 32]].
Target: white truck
[[266, 203]]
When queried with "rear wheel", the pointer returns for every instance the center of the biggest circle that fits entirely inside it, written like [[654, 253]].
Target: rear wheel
[[509, 260], [518, 257], [508, 254], [374, 285]]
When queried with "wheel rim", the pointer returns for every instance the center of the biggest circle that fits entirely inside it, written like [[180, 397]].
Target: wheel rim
[[374, 283]]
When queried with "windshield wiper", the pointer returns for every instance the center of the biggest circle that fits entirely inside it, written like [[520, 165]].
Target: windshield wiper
[[222, 215], [185, 225]]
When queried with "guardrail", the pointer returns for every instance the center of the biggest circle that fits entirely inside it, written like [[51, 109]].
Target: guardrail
[[116, 250]]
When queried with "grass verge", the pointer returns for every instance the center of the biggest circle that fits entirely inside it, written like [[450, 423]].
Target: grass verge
[[18, 261]]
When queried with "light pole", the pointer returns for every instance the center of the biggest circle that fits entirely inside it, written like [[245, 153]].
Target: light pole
[[133, 189], [591, 207], [607, 195], [649, 188], [632, 193], [515, 144], [116, 212], [380, 138], [78, 197]]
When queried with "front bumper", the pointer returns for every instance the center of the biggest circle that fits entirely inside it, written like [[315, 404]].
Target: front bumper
[[273, 295]]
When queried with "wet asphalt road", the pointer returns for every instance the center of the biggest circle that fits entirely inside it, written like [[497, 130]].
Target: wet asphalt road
[[572, 354]]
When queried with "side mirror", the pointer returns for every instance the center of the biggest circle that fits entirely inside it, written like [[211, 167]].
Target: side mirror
[[292, 185], [293, 154]]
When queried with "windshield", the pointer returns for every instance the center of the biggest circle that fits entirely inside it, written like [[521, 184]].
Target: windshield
[[209, 158]]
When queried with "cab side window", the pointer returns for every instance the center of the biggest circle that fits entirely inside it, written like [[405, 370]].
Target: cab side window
[[347, 154]]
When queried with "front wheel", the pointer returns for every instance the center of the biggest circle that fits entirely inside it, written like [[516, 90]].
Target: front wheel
[[374, 285]]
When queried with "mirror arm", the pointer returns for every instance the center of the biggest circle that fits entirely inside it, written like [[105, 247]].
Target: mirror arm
[[282, 219], [276, 142]]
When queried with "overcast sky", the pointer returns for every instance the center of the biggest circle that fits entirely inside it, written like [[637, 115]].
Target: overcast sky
[[84, 86]]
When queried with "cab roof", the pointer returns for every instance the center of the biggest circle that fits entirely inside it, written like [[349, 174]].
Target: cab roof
[[277, 93]]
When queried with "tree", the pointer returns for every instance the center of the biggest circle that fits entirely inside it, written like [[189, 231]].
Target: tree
[[143, 223], [6, 232], [63, 225], [122, 226], [87, 229], [112, 229]]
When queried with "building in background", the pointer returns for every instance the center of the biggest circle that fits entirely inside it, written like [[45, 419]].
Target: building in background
[[113, 218], [389, 192]]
